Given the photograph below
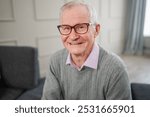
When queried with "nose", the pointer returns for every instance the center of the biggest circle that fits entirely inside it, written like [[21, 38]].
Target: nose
[[73, 35]]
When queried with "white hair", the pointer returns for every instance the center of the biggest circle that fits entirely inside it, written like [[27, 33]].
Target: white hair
[[91, 10]]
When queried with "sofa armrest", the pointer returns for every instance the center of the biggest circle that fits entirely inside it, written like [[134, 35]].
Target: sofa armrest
[[140, 91]]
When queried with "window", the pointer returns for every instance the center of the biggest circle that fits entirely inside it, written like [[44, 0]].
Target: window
[[147, 20]]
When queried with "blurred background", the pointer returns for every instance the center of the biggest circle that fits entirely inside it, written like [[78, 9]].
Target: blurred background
[[125, 30]]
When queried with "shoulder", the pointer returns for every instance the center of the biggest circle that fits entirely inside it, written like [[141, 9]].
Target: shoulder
[[58, 59], [59, 55], [110, 60], [115, 60]]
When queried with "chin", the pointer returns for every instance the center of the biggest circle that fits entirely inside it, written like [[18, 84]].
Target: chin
[[76, 52]]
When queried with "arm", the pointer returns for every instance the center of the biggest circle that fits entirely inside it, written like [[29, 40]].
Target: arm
[[52, 90], [119, 86]]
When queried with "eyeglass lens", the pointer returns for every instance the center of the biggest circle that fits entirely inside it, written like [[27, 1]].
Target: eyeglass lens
[[79, 28]]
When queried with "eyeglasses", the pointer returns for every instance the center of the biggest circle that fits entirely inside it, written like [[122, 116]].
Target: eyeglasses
[[78, 28]]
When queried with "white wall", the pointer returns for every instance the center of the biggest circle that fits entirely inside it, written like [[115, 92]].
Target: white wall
[[112, 24], [33, 23]]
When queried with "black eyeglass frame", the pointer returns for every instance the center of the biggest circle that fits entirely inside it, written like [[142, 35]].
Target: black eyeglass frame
[[73, 27]]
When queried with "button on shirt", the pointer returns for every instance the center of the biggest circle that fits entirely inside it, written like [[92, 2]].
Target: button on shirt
[[91, 61]]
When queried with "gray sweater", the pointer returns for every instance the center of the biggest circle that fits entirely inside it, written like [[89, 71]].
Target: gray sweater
[[108, 82]]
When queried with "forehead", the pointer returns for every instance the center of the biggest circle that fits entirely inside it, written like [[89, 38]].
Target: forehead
[[74, 15]]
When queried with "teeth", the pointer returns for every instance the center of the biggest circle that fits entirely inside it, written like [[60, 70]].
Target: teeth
[[75, 43]]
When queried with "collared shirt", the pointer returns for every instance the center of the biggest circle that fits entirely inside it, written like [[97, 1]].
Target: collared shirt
[[91, 61]]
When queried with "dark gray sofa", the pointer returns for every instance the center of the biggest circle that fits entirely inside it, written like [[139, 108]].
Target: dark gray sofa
[[19, 73], [140, 91]]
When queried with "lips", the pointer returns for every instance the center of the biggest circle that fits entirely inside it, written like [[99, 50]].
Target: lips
[[75, 43]]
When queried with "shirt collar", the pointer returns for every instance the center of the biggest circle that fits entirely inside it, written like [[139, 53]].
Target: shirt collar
[[91, 61]]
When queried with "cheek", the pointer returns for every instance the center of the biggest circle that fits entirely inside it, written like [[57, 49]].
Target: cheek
[[92, 33], [91, 36], [64, 38]]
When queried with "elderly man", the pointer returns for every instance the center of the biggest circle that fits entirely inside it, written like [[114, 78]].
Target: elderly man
[[84, 70]]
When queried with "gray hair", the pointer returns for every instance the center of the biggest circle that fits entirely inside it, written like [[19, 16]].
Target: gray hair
[[91, 10]]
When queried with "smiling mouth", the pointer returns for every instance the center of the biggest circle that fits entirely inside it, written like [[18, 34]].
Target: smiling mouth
[[75, 43]]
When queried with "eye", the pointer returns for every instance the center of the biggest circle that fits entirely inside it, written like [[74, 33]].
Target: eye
[[81, 27], [65, 28]]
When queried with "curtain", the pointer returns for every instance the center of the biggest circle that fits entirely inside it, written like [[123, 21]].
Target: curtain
[[135, 26]]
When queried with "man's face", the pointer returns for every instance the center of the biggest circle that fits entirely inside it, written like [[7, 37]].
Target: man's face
[[77, 44]]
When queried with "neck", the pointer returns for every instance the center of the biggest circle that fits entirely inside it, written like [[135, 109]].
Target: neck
[[78, 60]]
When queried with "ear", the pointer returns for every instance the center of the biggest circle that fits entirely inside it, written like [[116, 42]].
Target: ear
[[97, 30]]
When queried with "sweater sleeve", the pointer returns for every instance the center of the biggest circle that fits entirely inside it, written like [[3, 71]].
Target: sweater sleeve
[[118, 86], [52, 90]]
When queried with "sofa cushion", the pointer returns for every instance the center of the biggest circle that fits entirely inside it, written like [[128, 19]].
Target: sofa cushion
[[19, 66], [1, 82], [0, 75], [140, 91], [33, 94], [10, 93]]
